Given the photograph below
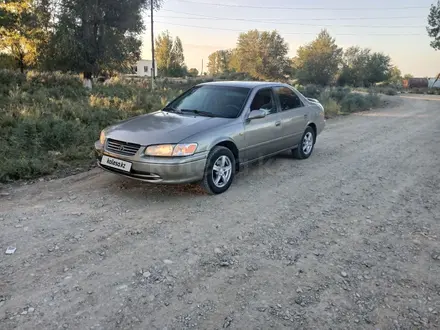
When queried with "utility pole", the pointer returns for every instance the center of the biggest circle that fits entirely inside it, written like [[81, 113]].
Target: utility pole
[[153, 74], [201, 72]]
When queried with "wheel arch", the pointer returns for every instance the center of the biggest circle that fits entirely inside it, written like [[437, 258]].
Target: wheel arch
[[230, 144], [315, 129]]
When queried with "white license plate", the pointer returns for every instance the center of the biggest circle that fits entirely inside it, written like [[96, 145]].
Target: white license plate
[[116, 163]]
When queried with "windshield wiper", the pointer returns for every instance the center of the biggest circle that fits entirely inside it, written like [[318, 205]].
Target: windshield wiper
[[200, 113], [171, 109]]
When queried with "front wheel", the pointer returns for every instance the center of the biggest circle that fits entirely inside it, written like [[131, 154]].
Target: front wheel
[[305, 148], [219, 170]]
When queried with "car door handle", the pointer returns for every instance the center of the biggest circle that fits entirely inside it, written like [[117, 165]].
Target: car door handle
[[277, 123]]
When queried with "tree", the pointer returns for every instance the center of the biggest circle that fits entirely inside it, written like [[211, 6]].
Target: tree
[[19, 31], [213, 64], [408, 76], [169, 56], [262, 55], [164, 49], [354, 66], [395, 75], [193, 72], [7, 61], [94, 36], [45, 12], [177, 65], [234, 65], [219, 62], [433, 27], [378, 68], [318, 62], [361, 67]]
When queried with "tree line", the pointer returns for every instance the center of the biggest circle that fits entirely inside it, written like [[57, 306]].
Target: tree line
[[264, 55], [73, 35], [93, 37]]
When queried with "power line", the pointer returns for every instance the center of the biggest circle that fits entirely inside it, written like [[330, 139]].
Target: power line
[[274, 20], [301, 8], [293, 24], [296, 33]]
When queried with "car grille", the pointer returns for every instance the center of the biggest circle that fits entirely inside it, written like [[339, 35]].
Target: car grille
[[122, 148]]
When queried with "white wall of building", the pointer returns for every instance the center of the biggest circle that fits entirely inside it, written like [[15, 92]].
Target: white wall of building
[[143, 68]]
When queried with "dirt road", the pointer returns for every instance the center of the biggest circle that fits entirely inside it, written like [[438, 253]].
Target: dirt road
[[348, 239]]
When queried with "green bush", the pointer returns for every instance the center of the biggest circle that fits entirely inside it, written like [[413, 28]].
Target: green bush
[[389, 91], [49, 121], [359, 102], [10, 79], [331, 106], [8, 62], [53, 79], [339, 93], [312, 91]]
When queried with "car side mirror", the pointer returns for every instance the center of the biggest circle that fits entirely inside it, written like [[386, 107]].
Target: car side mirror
[[256, 114]]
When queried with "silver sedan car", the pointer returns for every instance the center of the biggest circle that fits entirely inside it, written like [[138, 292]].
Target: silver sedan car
[[211, 131]]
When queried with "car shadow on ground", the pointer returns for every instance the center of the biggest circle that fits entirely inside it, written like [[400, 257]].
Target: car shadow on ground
[[255, 172]]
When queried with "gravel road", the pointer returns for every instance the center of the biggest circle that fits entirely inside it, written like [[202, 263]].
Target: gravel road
[[347, 239]]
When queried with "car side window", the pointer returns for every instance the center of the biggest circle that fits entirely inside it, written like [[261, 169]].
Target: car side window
[[263, 100], [288, 99]]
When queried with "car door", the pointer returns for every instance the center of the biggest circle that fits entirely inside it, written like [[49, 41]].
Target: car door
[[263, 135], [294, 116]]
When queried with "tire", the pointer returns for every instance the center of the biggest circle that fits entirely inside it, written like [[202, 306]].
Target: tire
[[216, 157], [307, 144]]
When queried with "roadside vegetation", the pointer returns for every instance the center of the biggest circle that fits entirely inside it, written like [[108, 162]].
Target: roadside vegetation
[[340, 100], [49, 121], [395, 90]]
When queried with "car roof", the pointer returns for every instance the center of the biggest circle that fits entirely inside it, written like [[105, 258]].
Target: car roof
[[246, 84]]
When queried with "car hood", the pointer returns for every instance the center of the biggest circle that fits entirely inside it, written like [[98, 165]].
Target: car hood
[[162, 127]]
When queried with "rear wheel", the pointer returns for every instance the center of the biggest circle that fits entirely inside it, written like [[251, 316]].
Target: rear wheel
[[219, 170], [305, 148]]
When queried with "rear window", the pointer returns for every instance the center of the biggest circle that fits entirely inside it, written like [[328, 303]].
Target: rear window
[[221, 101]]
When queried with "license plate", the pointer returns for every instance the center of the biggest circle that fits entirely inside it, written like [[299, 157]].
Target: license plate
[[116, 163]]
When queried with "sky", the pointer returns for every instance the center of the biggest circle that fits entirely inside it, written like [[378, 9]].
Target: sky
[[395, 27]]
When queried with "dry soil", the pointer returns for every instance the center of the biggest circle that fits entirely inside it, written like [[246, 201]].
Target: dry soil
[[347, 239]]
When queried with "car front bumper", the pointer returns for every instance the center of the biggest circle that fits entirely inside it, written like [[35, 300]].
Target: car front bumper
[[162, 170]]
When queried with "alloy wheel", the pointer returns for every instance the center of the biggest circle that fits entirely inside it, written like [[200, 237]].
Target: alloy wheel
[[307, 143], [222, 171]]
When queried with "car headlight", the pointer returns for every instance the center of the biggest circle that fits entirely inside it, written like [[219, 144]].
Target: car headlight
[[102, 137], [168, 150], [185, 149], [160, 150]]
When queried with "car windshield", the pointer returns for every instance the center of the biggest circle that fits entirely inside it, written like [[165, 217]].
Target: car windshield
[[213, 101]]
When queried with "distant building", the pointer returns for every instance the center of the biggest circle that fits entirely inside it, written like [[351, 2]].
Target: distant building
[[143, 68], [421, 83], [415, 83], [433, 83]]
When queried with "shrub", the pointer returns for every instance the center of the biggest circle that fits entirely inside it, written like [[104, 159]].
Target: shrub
[[10, 79], [339, 93], [53, 79], [372, 99], [312, 91], [390, 91], [49, 121], [358, 102], [331, 106]]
